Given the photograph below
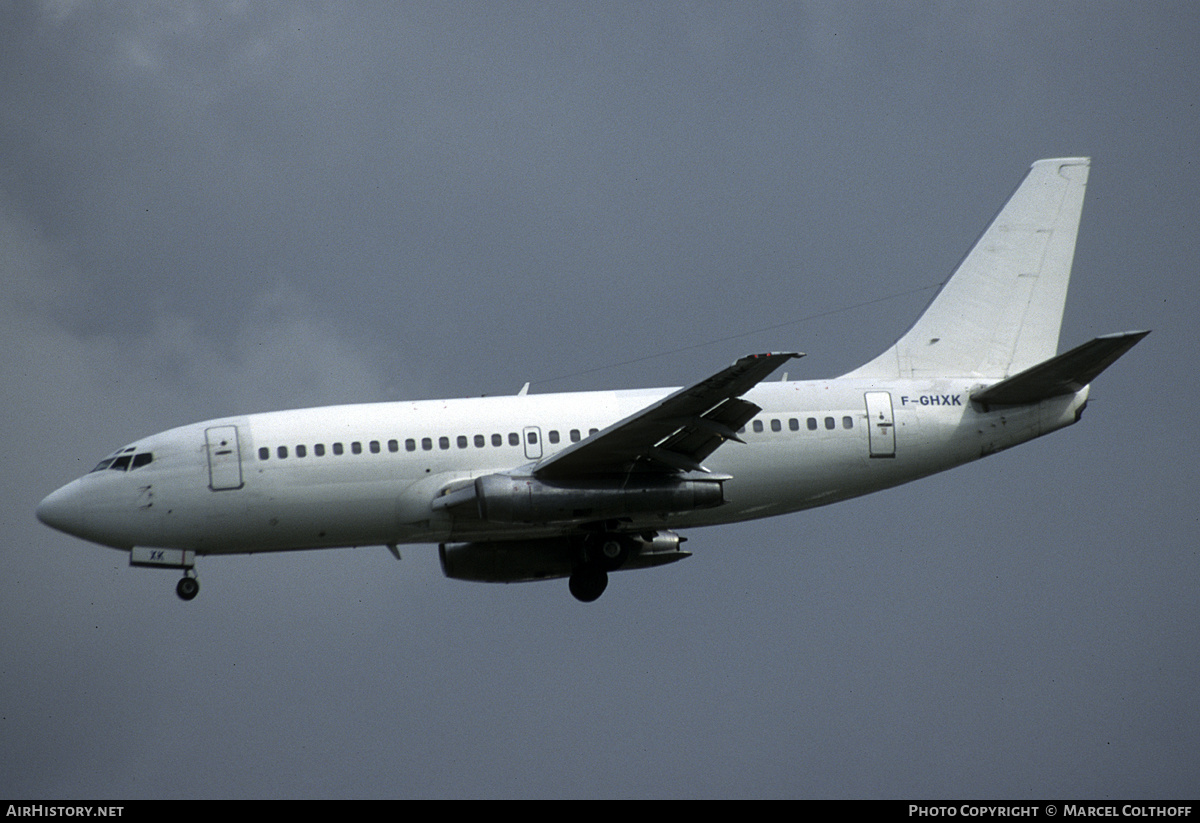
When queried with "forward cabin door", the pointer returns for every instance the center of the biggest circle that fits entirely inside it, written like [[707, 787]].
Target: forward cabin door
[[224, 458], [881, 427]]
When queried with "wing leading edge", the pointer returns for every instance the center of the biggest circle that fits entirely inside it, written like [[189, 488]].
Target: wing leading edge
[[675, 434]]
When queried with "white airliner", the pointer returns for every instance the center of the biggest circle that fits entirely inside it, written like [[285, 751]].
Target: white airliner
[[577, 485]]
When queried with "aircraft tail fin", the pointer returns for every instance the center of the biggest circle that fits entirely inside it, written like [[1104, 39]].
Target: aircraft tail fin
[[1065, 374], [1001, 311]]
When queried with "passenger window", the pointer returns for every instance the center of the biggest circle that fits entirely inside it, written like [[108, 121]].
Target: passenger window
[[776, 426], [758, 426], [393, 445], [426, 444], [592, 431], [410, 445], [356, 447], [497, 440], [553, 435], [514, 439], [319, 450], [443, 442], [794, 424], [829, 423], [531, 438], [461, 441], [812, 424], [282, 452], [847, 422], [374, 447], [480, 441], [337, 448], [301, 451], [574, 435], [263, 453]]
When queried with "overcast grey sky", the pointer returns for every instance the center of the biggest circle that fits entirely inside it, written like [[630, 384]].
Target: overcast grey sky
[[213, 208]]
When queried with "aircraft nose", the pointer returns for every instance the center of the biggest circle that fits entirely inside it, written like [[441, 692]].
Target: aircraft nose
[[62, 510]]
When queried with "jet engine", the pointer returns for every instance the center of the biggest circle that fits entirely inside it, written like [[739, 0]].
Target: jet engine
[[515, 499], [517, 561]]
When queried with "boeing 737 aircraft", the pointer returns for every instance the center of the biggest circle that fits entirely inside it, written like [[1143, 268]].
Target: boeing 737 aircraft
[[579, 485]]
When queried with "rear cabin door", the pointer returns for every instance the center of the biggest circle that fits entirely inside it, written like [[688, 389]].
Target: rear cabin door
[[881, 427], [224, 458]]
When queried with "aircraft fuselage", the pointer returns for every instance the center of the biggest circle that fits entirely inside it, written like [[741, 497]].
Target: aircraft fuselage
[[365, 474]]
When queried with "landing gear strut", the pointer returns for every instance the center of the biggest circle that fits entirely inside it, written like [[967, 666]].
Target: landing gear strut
[[187, 587]]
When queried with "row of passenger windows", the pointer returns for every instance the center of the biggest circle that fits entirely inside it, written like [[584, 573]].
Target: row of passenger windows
[[793, 424], [425, 444], [512, 438]]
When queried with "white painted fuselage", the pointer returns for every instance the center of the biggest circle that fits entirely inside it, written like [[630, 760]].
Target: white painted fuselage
[[366, 474]]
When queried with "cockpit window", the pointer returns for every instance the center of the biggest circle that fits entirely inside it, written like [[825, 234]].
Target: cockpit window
[[125, 461]]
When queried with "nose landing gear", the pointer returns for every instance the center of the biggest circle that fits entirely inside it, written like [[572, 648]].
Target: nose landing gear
[[187, 587]]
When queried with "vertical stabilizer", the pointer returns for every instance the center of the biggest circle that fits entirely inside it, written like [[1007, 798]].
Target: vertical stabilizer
[[1001, 310]]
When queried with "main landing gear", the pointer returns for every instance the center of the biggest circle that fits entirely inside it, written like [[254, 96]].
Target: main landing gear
[[587, 583], [599, 555]]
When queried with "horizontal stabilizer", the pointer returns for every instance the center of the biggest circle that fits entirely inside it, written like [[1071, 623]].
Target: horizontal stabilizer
[[1064, 374]]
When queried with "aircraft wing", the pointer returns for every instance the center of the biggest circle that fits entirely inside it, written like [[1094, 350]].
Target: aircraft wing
[[674, 434]]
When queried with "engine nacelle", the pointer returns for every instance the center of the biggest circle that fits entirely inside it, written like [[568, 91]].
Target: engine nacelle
[[508, 499], [524, 560]]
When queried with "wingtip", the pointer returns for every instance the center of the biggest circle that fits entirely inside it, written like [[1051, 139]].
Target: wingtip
[[1137, 334], [786, 355]]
